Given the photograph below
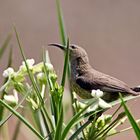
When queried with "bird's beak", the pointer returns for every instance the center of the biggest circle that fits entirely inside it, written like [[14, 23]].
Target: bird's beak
[[57, 45]]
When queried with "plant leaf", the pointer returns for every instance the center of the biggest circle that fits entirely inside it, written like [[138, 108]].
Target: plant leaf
[[66, 63], [79, 130], [8, 117], [74, 120], [5, 45], [5, 80], [21, 118], [61, 23], [131, 119], [59, 126]]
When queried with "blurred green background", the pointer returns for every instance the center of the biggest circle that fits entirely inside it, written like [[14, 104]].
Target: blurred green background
[[109, 30]]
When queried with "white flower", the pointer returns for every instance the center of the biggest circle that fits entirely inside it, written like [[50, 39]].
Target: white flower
[[49, 66], [99, 103], [12, 99], [97, 93], [8, 72], [30, 63], [103, 104]]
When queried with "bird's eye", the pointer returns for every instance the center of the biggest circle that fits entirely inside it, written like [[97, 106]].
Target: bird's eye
[[73, 47]]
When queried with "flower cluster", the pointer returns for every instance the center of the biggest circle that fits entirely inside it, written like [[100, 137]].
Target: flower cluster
[[18, 82], [98, 102]]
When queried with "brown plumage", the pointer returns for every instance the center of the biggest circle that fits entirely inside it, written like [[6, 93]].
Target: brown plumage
[[84, 78]]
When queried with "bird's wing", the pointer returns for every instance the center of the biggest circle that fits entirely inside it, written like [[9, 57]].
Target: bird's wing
[[103, 82]]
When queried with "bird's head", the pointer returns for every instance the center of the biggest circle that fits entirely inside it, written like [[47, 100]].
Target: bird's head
[[76, 52]]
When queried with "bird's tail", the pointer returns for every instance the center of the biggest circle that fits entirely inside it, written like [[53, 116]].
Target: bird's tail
[[136, 89]]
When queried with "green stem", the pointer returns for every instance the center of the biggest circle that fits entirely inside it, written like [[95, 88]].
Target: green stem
[[61, 23], [17, 129], [63, 36], [8, 117], [44, 124], [22, 119], [80, 130], [123, 130], [76, 109], [105, 130], [32, 79], [65, 65], [5, 80], [117, 110], [48, 118]]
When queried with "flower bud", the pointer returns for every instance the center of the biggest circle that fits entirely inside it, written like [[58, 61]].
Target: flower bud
[[41, 77], [8, 72], [79, 104], [108, 119], [100, 123], [49, 67], [82, 105], [30, 63], [53, 77], [74, 95], [12, 99]]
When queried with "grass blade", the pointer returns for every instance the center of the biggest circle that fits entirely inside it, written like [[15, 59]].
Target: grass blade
[[74, 120], [60, 119], [64, 41], [65, 65], [10, 58], [127, 98], [22, 119], [80, 130], [52, 102], [131, 119], [123, 130], [59, 126], [5, 45], [61, 23], [31, 76], [4, 120], [3, 93], [28, 70]]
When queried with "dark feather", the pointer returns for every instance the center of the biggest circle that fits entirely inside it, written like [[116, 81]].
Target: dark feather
[[97, 80]]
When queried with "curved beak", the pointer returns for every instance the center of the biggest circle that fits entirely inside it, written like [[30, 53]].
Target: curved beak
[[58, 45]]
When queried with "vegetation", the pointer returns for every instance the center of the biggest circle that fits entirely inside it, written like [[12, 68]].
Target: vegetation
[[39, 91]]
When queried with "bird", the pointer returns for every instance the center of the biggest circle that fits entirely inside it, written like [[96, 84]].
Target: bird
[[84, 78]]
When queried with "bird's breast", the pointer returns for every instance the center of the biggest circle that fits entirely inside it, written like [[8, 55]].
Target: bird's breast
[[80, 91]]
